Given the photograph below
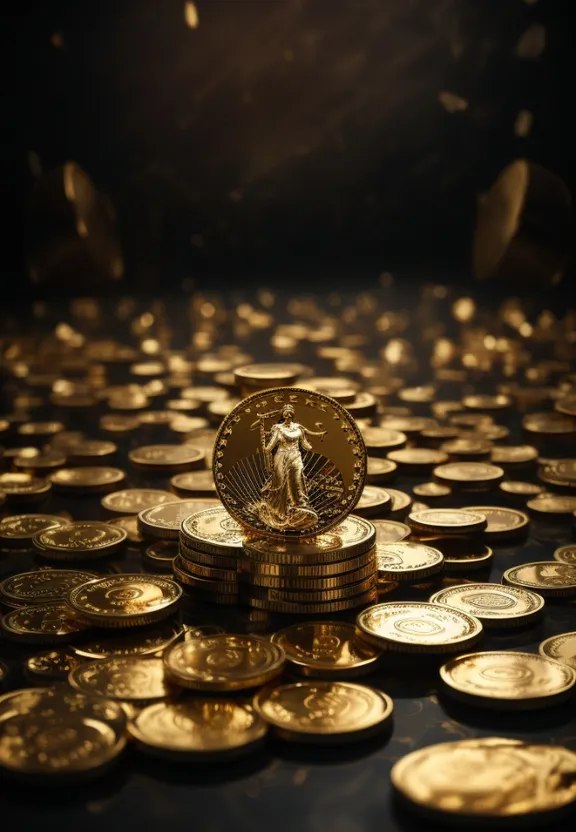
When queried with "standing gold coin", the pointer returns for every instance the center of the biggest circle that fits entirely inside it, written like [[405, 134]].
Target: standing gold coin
[[289, 463], [418, 627], [42, 624], [561, 648], [198, 729], [447, 521], [566, 554], [408, 561], [508, 680], [548, 578], [325, 712], [486, 779], [503, 523], [223, 662], [327, 650], [134, 679], [125, 600], [495, 605]]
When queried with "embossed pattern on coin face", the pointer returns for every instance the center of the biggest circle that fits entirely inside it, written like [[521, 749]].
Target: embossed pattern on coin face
[[42, 623], [199, 728], [487, 778], [134, 500], [223, 662], [19, 529], [407, 560], [468, 472], [328, 648], [212, 530], [566, 554], [329, 711], [501, 522], [547, 577], [493, 604], [447, 521], [87, 479], [390, 531], [127, 678], [289, 463], [508, 678], [125, 600], [561, 648], [418, 627], [44, 586], [164, 521], [80, 540]]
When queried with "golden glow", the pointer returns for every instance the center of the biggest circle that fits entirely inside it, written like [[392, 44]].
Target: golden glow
[[463, 310], [451, 102], [191, 15]]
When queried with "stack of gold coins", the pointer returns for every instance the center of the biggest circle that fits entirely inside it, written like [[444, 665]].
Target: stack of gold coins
[[208, 564], [334, 571], [457, 533]]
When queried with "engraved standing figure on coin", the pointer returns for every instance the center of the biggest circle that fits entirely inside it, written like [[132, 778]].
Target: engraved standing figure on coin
[[285, 503], [289, 463]]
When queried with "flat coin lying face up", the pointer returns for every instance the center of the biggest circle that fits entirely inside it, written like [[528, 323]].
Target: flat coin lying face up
[[489, 778], [327, 649], [125, 600], [495, 605], [289, 463]]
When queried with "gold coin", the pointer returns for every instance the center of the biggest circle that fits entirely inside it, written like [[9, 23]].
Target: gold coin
[[87, 480], [431, 490], [379, 441], [257, 570], [549, 424], [204, 584], [548, 578], [513, 454], [467, 448], [212, 530], [42, 624], [355, 536], [216, 561], [319, 596], [24, 488], [44, 586], [447, 521], [421, 459], [161, 555], [487, 402], [462, 553], [401, 502], [373, 502], [410, 425], [80, 541], [41, 462], [265, 376], [419, 627], [162, 458], [51, 666], [566, 554], [223, 662], [566, 405], [60, 737], [262, 476], [390, 531], [194, 484], [130, 525], [124, 678], [342, 579], [468, 474], [47, 429], [495, 605], [198, 729], [522, 491], [508, 680], [325, 712], [561, 648], [363, 406], [324, 608], [19, 529], [486, 779], [559, 472], [406, 561], [134, 500], [502, 522], [146, 642], [85, 451], [552, 507], [380, 470], [125, 600], [164, 521], [327, 650]]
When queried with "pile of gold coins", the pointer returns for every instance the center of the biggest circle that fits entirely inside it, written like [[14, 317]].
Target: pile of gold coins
[[203, 555]]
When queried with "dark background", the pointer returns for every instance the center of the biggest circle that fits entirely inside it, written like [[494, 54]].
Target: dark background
[[283, 135]]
